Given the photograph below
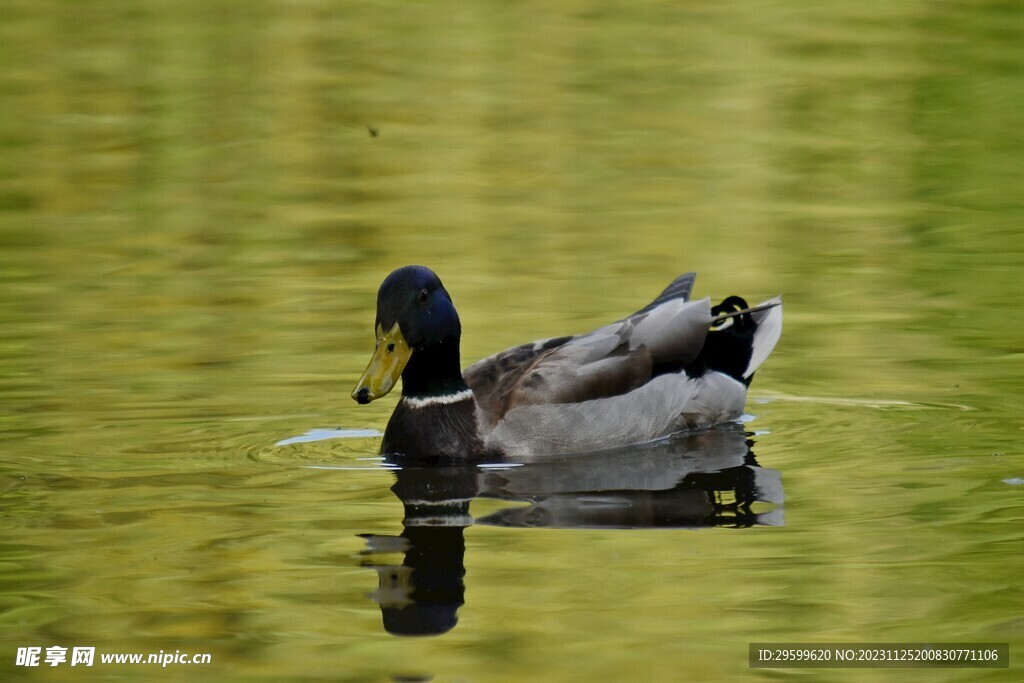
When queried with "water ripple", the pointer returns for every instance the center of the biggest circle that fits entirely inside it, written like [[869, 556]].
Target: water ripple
[[325, 434], [887, 404]]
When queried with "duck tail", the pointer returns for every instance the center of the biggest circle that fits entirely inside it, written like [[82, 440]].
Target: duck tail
[[741, 337], [768, 319]]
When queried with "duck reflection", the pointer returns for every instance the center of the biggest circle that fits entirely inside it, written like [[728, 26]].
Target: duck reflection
[[705, 479]]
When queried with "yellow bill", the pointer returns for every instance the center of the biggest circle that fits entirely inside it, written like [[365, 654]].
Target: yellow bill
[[385, 367]]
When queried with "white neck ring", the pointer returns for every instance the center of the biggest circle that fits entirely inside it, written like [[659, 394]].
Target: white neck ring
[[443, 400]]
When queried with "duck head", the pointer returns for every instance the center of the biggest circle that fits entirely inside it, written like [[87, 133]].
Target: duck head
[[417, 331]]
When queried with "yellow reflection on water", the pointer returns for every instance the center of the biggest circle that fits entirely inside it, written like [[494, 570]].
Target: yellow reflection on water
[[195, 216]]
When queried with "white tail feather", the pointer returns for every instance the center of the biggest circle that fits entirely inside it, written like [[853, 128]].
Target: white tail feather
[[769, 329]]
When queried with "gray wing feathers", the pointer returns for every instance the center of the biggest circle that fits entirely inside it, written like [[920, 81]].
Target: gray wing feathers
[[673, 332], [617, 358], [578, 372], [610, 361]]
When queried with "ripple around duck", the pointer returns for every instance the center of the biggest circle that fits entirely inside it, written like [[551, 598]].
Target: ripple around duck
[[324, 434], [882, 404], [321, 447]]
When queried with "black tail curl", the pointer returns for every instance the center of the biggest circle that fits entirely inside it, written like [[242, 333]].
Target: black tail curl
[[730, 342]]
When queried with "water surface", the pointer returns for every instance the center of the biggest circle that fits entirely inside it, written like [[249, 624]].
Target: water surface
[[195, 215]]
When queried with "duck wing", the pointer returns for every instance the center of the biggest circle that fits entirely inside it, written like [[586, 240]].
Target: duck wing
[[612, 361]]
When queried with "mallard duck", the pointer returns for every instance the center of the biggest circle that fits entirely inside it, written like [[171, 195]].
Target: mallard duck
[[674, 365]]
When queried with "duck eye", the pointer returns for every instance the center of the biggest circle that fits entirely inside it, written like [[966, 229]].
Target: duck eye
[[422, 297]]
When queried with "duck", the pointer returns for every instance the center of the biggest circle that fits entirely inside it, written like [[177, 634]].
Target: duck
[[675, 365]]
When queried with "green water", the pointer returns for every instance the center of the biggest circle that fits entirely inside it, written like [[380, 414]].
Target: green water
[[194, 218]]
